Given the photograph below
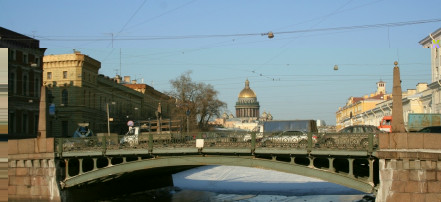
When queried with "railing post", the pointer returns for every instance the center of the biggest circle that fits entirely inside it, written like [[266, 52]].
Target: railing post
[[66, 161], [351, 167], [309, 142], [150, 142], [371, 171], [81, 166], [95, 167], [331, 164], [109, 161], [292, 160], [371, 142]]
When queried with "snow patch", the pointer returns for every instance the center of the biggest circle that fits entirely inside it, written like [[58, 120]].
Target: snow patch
[[246, 180]]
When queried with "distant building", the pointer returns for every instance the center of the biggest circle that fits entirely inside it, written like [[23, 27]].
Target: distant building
[[151, 99], [247, 112], [24, 83], [247, 106], [357, 105], [426, 98], [414, 101], [79, 94]]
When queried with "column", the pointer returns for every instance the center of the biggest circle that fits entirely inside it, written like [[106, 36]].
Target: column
[[351, 167]]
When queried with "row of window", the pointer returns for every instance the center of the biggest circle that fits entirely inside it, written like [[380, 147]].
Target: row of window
[[26, 82], [24, 126], [49, 75], [24, 58]]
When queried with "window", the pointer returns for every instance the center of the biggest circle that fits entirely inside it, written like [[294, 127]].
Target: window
[[11, 123], [25, 58], [64, 74], [12, 55], [64, 97], [37, 61], [25, 85], [11, 83], [49, 75], [37, 87], [25, 125], [436, 73], [49, 96], [36, 123], [64, 128]]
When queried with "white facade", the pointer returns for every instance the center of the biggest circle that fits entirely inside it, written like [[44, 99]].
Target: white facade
[[433, 41]]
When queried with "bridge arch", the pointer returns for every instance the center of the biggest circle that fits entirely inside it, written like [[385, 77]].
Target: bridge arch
[[168, 161]]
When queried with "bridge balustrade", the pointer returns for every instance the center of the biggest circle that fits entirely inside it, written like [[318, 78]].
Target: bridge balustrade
[[347, 159], [218, 142]]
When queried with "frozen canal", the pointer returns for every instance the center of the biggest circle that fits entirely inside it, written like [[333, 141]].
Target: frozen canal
[[231, 183]]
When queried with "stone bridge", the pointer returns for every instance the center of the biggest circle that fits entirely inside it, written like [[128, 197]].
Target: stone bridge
[[402, 166]]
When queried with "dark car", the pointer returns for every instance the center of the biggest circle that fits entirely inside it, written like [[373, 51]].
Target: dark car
[[360, 129], [431, 129]]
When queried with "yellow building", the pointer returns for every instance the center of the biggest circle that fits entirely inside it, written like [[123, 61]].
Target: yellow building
[[355, 106], [81, 95]]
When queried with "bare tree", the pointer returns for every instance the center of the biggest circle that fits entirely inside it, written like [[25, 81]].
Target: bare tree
[[197, 102]]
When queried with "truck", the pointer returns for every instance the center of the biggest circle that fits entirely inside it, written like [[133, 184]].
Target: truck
[[161, 130], [289, 125], [415, 122], [386, 124], [140, 134]]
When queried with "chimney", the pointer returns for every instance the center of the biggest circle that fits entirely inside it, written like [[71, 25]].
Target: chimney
[[127, 79]]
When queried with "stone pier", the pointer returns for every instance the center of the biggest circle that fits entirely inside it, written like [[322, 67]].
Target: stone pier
[[32, 170], [410, 167]]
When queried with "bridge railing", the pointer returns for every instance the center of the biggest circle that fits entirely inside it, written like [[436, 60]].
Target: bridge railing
[[221, 141]]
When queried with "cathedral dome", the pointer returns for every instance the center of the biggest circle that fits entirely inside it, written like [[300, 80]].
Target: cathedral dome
[[247, 92]]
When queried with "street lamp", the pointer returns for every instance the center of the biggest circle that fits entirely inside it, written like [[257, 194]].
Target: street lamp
[[108, 118]]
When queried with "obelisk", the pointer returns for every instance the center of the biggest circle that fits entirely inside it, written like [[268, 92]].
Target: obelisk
[[42, 114], [397, 103]]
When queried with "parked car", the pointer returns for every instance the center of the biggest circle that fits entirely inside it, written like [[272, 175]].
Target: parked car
[[431, 129], [247, 137], [341, 138], [296, 137], [360, 129]]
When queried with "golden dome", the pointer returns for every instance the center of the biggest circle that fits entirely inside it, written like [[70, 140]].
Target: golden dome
[[247, 92]]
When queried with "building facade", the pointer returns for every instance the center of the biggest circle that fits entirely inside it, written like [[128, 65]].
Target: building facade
[[151, 100], [426, 98], [24, 83], [433, 41], [355, 106], [80, 94]]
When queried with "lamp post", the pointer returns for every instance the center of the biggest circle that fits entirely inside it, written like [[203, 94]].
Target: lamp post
[[108, 118]]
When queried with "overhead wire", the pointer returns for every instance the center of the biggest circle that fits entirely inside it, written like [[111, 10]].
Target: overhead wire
[[204, 36]]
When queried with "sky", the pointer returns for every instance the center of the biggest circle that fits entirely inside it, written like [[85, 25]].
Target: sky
[[225, 42]]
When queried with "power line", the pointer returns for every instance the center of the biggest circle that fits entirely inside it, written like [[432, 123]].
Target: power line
[[144, 38]]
